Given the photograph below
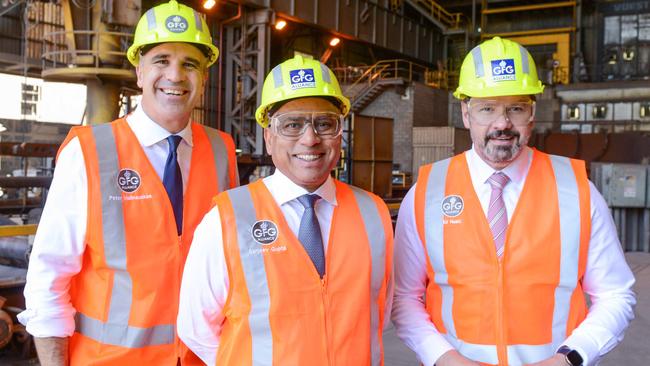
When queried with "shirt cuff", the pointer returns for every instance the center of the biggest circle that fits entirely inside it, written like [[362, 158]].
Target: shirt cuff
[[47, 325], [587, 348], [432, 348]]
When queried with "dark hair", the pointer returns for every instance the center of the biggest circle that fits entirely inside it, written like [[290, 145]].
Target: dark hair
[[337, 103], [205, 50]]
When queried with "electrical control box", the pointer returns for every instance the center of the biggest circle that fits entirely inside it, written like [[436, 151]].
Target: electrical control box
[[622, 185]]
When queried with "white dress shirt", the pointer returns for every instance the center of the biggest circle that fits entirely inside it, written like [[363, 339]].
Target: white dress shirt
[[205, 284], [607, 281], [60, 240]]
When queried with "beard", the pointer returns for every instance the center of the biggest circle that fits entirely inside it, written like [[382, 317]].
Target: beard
[[501, 153]]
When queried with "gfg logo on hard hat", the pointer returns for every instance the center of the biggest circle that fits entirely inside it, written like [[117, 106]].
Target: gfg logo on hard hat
[[176, 24], [302, 78], [452, 205], [265, 232], [503, 70], [128, 180]]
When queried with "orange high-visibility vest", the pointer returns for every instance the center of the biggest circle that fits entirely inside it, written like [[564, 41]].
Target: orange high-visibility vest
[[126, 294], [279, 311], [519, 309]]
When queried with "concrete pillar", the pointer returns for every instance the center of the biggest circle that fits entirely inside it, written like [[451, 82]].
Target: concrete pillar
[[102, 101]]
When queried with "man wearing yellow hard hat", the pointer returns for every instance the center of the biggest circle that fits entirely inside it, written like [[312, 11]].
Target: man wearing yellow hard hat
[[104, 275], [296, 268], [497, 249]]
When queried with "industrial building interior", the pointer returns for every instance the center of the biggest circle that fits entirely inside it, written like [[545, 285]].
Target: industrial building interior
[[397, 60]]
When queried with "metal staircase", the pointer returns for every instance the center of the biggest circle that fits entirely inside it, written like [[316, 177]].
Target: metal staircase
[[371, 81], [372, 91]]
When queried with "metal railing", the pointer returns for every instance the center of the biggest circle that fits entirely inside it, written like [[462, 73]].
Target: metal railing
[[600, 126], [433, 9], [354, 77], [103, 48]]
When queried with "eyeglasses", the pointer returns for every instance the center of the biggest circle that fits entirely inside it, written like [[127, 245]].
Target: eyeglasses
[[484, 112], [293, 125]]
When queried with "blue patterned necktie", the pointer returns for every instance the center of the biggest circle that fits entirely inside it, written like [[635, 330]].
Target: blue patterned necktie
[[309, 233], [173, 181]]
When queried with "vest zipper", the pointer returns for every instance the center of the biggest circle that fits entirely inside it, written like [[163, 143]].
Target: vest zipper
[[179, 276], [502, 348], [325, 308]]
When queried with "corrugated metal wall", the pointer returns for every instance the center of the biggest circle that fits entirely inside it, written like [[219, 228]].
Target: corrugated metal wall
[[42, 17], [431, 144], [625, 189]]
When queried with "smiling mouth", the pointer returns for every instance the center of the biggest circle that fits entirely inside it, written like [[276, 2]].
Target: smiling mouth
[[308, 157], [173, 92]]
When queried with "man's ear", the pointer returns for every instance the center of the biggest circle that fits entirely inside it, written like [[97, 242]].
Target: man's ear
[[138, 74], [267, 140], [465, 113]]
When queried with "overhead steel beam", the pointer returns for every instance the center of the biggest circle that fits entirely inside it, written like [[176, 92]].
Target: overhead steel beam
[[511, 9], [364, 20]]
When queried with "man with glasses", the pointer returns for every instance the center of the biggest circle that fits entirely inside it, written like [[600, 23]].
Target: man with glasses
[[497, 249], [296, 268]]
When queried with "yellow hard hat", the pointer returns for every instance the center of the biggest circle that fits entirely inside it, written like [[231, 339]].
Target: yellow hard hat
[[297, 78], [171, 22], [498, 67]]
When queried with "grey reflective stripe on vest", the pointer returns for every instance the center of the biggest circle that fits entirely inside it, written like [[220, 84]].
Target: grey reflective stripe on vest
[[433, 233], [123, 335], [113, 231], [255, 274], [377, 240], [524, 354], [116, 330], [568, 198], [220, 155], [277, 76], [151, 19], [478, 352], [325, 72], [477, 55], [197, 20], [524, 60], [569, 211]]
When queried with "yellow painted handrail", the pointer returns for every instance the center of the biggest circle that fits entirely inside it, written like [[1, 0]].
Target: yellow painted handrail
[[451, 20], [17, 230]]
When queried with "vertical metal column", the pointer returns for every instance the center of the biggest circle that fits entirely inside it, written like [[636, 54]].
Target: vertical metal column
[[247, 62]]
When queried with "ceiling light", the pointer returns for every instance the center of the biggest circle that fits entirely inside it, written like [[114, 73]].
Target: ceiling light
[[209, 4], [280, 24], [334, 41]]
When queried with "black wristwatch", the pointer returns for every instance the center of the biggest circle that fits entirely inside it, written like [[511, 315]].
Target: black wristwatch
[[571, 356]]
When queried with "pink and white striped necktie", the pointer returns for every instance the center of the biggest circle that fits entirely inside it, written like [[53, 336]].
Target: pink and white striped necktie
[[497, 215]]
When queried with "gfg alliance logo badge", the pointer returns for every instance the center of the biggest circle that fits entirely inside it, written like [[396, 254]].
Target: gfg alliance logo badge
[[452, 205], [503, 70], [128, 180], [302, 78], [176, 24], [265, 232]]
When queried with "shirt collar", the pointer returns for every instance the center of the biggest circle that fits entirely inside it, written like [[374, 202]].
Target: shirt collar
[[149, 132], [516, 171], [285, 190]]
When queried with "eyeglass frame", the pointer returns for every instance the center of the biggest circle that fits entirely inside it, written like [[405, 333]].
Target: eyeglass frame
[[530, 119], [274, 126]]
